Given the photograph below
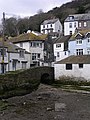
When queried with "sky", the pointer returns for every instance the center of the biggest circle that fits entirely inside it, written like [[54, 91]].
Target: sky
[[24, 8]]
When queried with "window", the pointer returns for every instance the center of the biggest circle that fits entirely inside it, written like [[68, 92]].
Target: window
[[88, 51], [21, 44], [75, 24], [85, 24], [65, 52], [79, 41], [80, 65], [70, 25], [51, 25], [88, 40], [70, 32], [68, 66], [1, 51], [58, 55], [21, 53], [47, 26], [38, 55], [58, 45], [80, 24], [79, 51], [43, 26], [33, 56]]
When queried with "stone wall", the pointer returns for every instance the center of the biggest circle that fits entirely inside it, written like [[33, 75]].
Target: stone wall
[[24, 81]]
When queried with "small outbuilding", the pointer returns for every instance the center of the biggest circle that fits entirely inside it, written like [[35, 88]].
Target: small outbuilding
[[76, 66]]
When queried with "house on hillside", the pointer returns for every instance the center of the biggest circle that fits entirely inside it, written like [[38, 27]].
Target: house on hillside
[[15, 58], [61, 47], [77, 21], [51, 26], [79, 43], [33, 44], [73, 66]]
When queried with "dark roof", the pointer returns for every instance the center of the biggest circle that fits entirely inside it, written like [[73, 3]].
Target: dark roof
[[85, 59], [51, 21], [77, 17], [11, 47], [63, 39], [27, 37]]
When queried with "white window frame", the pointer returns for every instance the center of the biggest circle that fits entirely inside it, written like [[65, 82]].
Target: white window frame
[[79, 41], [79, 51]]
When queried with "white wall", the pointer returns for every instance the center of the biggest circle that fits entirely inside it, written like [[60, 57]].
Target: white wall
[[62, 54], [67, 29], [60, 70]]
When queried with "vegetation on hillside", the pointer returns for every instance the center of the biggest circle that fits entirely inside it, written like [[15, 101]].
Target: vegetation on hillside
[[15, 27]]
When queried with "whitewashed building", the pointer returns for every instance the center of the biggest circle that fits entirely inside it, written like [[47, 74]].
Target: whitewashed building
[[15, 58], [51, 26], [73, 66], [61, 47], [77, 21], [33, 44]]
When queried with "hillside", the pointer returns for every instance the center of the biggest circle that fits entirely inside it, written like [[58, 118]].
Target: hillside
[[14, 27], [76, 6]]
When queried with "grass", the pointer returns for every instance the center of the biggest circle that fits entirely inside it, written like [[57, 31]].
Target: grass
[[69, 83]]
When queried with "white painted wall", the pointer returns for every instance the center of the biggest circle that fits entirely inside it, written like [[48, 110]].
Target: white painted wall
[[60, 70], [62, 54], [67, 29]]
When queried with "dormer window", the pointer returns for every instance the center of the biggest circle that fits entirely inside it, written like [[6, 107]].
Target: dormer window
[[71, 17], [58, 45]]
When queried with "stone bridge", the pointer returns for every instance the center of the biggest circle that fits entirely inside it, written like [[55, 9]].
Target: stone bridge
[[44, 74]]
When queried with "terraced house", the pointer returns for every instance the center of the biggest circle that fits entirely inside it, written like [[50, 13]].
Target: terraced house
[[34, 44], [76, 21], [15, 58]]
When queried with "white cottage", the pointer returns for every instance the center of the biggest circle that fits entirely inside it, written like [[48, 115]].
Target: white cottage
[[15, 58], [33, 44], [61, 47], [76, 21], [51, 26], [76, 66]]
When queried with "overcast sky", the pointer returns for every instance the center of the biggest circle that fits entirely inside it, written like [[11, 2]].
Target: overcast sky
[[28, 7]]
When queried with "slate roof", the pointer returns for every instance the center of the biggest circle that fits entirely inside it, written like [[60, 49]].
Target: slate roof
[[77, 17], [83, 59], [63, 39], [28, 37], [11, 47], [51, 21]]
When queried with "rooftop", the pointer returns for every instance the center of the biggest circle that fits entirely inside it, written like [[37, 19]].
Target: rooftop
[[27, 37], [51, 21], [84, 59], [76, 17]]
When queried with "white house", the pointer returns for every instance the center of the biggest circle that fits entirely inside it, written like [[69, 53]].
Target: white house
[[15, 58], [61, 47], [77, 21], [76, 66], [79, 43], [51, 26], [33, 44]]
